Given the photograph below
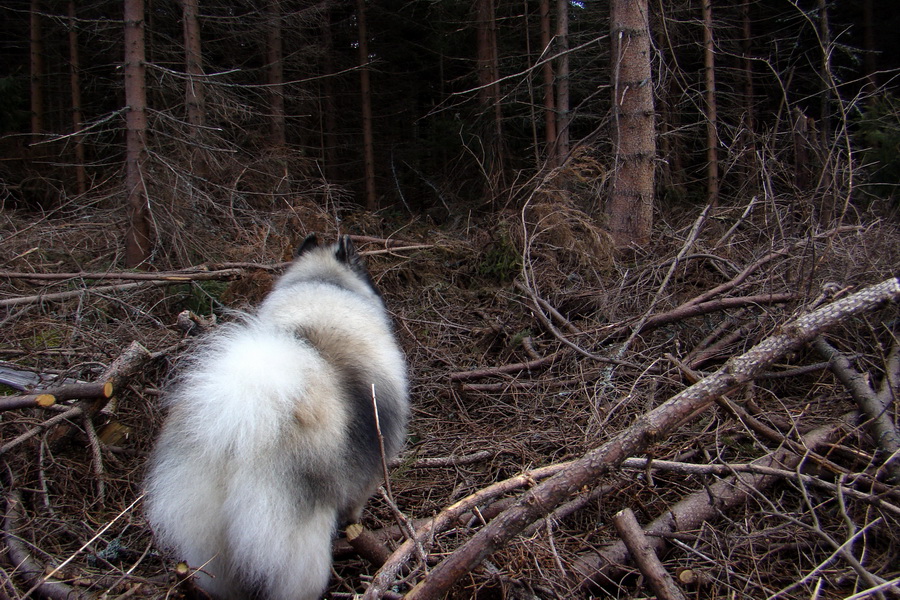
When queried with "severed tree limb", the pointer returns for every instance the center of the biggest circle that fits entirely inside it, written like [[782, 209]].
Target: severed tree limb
[[649, 427], [692, 310], [543, 305], [27, 401], [71, 391], [394, 249], [123, 368], [50, 396], [431, 462], [24, 565], [367, 544], [875, 406], [116, 374], [394, 533], [449, 516], [606, 565], [641, 550], [760, 428], [764, 260]]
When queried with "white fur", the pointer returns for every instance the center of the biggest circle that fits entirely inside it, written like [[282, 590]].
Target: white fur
[[250, 473]]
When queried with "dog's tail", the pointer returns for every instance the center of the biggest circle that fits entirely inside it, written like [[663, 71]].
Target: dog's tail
[[228, 490]]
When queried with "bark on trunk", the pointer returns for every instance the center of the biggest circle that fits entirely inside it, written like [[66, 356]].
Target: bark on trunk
[[194, 96], [563, 116], [630, 207], [77, 117], [365, 92], [137, 240], [37, 72], [489, 94], [712, 136], [275, 75], [549, 88]]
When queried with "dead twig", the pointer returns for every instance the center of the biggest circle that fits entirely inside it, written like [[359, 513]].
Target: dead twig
[[549, 326], [38, 298], [191, 274], [875, 406], [24, 565], [689, 513], [366, 544], [645, 557], [119, 371], [539, 363], [545, 496]]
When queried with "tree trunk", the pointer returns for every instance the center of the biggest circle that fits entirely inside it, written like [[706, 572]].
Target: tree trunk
[[630, 207], [328, 110], [747, 61], [137, 238], [563, 117], [712, 136], [549, 90], [37, 72], [489, 93], [870, 62], [194, 96], [749, 165], [825, 77], [275, 75], [77, 117], [365, 93]]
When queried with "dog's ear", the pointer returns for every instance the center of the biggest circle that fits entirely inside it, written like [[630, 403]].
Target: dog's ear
[[308, 243], [346, 251]]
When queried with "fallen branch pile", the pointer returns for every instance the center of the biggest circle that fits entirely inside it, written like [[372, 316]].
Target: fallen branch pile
[[708, 427], [652, 426]]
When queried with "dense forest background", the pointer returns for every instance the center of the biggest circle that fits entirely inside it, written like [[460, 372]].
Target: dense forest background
[[457, 105], [641, 254]]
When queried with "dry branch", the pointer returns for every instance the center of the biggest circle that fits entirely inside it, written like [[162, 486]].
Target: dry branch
[[69, 414], [114, 377], [689, 513], [539, 363], [27, 401], [192, 274], [38, 298], [72, 391], [367, 544], [644, 556], [123, 368], [648, 428], [875, 406], [24, 565], [126, 366], [431, 462], [386, 242], [693, 310]]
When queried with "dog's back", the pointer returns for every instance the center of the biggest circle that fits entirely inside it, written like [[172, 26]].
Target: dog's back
[[271, 440]]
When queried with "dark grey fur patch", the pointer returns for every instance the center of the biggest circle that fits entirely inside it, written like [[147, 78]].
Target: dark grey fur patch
[[363, 450], [308, 243]]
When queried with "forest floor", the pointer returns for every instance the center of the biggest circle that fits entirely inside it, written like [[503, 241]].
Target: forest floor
[[530, 344]]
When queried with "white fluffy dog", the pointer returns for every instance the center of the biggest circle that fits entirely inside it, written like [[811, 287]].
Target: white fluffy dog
[[270, 440]]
